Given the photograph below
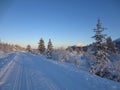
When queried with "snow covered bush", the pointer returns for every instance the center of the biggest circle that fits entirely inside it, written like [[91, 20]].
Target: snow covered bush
[[6, 48], [110, 70], [66, 56], [74, 58], [60, 54], [116, 71], [114, 67]]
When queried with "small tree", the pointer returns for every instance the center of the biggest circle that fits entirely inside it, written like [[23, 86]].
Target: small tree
[[41, 46], [49, 49], [28, 48]]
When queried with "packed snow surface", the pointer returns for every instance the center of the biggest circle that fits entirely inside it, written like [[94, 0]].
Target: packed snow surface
[[25, 71]]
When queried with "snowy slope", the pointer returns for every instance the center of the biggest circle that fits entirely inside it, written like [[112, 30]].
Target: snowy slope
[[25, 71]]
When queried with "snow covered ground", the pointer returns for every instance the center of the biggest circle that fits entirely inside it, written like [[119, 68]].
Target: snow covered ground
[[25, 71], [2, 53]]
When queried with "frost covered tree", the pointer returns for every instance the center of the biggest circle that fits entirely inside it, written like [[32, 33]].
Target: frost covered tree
[[49, 49], [100, 51], [100, 39], [41, 46]]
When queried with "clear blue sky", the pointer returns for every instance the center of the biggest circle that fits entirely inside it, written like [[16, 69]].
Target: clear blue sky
[[66, 22]]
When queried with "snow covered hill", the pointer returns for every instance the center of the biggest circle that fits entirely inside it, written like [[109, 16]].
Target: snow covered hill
[[25, 71]]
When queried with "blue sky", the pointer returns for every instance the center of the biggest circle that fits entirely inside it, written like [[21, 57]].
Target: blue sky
[[66, 22]]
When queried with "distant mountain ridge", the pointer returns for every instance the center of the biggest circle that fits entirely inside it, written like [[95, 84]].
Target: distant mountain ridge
[[117, 40]]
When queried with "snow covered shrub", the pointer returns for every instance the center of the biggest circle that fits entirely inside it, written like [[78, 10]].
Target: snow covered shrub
[[109, 70], [60, 55], [5, 48], [66, 56], [89, 57], [116, 70], [74, 58]]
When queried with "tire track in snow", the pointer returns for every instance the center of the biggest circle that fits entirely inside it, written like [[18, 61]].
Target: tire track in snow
[[28, 80], [5, 71], [23, 79], [17, 79]]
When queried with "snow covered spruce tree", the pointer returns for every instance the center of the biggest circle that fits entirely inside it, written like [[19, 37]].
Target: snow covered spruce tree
[[49, 49], [41, 46], [100, 52]]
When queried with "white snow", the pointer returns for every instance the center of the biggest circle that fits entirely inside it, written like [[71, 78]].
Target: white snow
[[25, 71], [2, 53]]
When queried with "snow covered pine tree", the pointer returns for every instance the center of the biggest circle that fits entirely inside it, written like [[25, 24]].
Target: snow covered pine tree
[[41, 46], [49, 49], [101, 62]]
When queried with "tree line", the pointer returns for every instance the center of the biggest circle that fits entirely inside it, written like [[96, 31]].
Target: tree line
[[42, 49]]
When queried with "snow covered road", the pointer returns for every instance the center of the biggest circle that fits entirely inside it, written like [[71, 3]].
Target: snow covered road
[[25, 71]]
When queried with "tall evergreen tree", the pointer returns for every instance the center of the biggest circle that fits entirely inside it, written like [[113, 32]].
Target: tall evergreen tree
[[41, 46], [100, 44], [49, 49], [100, 52]]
